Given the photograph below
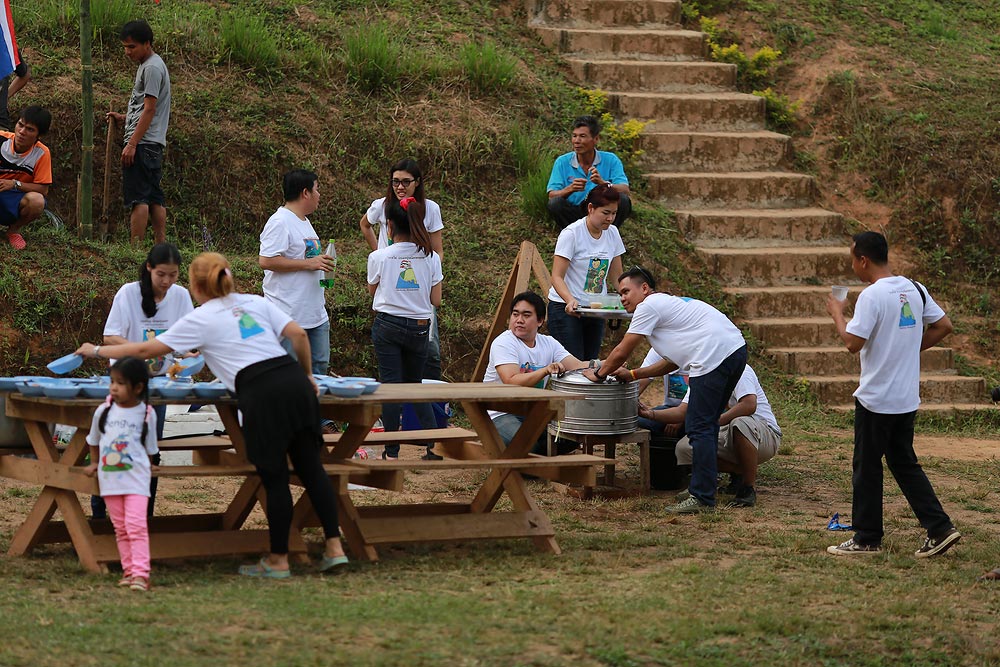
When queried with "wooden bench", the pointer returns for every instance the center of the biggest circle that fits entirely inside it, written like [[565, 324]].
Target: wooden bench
[[449, 434]]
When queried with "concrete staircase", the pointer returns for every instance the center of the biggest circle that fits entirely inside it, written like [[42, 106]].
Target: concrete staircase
[[709, 157]]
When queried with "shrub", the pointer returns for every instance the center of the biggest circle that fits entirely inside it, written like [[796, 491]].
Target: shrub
[[752, 72], [534, 194], [374, 58], [487, 69], [247, 41], [782, 113]]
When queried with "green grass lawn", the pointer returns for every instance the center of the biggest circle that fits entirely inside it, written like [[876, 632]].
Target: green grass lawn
[[632, 587]]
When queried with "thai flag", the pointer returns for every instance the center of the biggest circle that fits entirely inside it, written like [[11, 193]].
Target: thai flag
[[8, 49]]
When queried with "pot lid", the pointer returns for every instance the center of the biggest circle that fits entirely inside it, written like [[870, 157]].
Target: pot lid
[[576, 377]]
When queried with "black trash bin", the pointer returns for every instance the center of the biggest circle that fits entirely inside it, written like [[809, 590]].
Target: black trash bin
[[664, 473]]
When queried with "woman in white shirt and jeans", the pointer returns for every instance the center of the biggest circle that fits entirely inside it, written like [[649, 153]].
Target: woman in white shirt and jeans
[[405, 280]]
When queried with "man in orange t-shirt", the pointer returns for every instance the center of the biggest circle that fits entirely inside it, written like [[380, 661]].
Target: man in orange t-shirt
[[25, 173]]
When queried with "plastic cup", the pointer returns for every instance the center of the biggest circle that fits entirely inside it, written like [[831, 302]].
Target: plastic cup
[[839, 292]]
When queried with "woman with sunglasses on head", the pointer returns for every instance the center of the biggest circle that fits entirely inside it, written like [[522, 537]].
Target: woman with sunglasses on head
[[406, 180], [587, 252]]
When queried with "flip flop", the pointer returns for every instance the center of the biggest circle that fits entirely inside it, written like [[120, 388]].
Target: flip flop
[[332, 563], [262, 570], [16, 241], [992, 575]]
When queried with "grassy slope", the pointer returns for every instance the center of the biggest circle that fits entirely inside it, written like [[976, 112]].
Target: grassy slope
[[900, 114], [235, 129]]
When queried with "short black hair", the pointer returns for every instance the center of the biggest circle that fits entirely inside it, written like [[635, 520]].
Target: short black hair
[[37, 116], [871, 245], [536, 302], [138, 31], [589, 122], [295, 181], [640, 275]]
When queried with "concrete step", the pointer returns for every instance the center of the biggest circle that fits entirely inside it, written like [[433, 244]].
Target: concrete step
[[785, 300], [728, 227], [693, 112], [747, 189], [935, 409], [716, 151], [603, 13], [654, 76], [934, 388], [626, 42], [817, 361], [794, 331], [792, 265]]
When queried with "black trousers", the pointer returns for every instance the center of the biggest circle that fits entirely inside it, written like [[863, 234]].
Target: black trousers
[[305, 457], [565, 213], [877, 435]]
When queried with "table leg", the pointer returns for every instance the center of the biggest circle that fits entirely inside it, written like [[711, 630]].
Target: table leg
[[349, 519], [243, 503], [79, 531], [352, 439], [30, 531]]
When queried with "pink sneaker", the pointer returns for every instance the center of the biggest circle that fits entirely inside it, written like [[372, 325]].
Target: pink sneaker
[[16, 241]]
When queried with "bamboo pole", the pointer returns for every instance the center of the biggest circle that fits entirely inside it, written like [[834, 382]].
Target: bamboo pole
[[104, 224], [87, 143]]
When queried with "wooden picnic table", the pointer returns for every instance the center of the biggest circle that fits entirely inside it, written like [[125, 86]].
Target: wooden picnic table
[[364, 527]]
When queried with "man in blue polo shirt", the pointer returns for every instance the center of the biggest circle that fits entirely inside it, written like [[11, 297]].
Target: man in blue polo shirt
[[576, 173]]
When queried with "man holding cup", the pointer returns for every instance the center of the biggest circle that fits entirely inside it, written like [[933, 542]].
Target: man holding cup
[[888, 330]]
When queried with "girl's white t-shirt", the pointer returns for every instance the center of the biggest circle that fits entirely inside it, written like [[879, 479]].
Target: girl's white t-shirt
[[688, 332], [376, 218], [405, 276], [589, 260], [232, 332], [509, 349], [298, 293], [128, 320], [123, 465]]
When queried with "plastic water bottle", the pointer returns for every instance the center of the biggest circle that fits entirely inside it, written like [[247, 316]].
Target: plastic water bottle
[[327, 280], [363, 454]]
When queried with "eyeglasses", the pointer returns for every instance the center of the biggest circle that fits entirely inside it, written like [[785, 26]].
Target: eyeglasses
[[405, 182]]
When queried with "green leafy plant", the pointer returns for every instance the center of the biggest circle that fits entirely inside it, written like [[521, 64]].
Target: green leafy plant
[[487, 69], [247, 41], [782, 113]]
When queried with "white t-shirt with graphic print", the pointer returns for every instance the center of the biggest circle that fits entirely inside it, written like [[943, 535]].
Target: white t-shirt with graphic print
[[298, 293], [123, 465], [404, 275], [509, 349], [232, 332], [376, 218], [890, 315], [128, 320], [589, 260]]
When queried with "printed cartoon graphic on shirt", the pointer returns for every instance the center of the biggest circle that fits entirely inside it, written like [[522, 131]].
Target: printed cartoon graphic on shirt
[[407, 277], [906, 319], [115, 457], [528, 367], [312, 248], [596, 272], [248, 325], [156, 364]]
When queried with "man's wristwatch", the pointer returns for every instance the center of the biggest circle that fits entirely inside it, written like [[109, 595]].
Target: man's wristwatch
[[17, 185]]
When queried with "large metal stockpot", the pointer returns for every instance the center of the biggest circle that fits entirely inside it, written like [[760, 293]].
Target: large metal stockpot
[[608, 407]]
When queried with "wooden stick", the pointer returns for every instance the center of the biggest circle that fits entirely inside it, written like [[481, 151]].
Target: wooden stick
[[107, 178]]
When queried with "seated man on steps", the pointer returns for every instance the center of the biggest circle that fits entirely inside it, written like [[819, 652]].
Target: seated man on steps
[[25, 173], [576, 173], [749, 436], [525, 357]]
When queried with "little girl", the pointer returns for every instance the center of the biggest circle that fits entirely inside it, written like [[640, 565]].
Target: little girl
[[405, 279], [122, 439]]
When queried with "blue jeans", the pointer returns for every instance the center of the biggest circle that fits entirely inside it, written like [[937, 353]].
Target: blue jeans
[[99, 510], [319, 347], [401, 348], [581, 336], [709, 396], [507, 426]]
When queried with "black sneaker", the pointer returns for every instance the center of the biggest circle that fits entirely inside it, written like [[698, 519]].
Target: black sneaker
[[852, 548], [746, 496], [938, 545], [431, 456]]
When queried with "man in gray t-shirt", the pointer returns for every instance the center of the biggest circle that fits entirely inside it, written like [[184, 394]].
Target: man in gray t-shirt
[[146, 124]]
